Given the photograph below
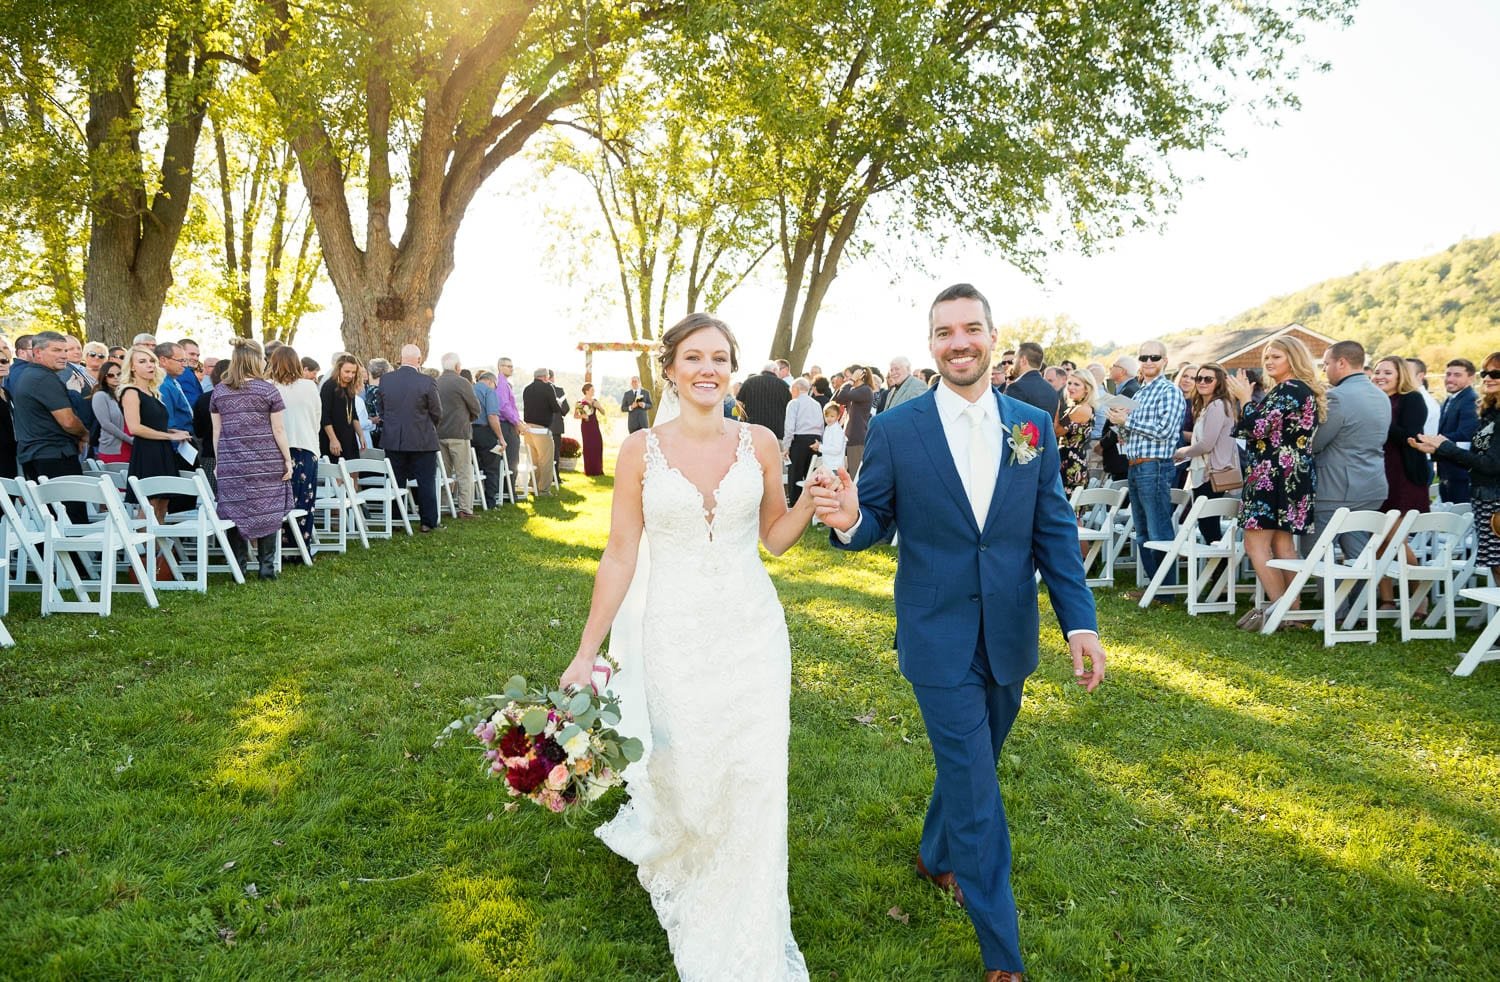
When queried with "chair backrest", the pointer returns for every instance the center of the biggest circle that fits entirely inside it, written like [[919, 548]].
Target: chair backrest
[[330, 472], [70, 489], [363, 467], [1093, 497], [157, 487], [1439, 536], [17, 507], [372, 453], [1377, 524]]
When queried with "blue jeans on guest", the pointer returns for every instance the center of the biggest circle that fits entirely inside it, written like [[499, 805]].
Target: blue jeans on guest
[[1151, 483]]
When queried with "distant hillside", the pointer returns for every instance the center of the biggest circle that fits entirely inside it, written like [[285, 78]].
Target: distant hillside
[[1440, 307]]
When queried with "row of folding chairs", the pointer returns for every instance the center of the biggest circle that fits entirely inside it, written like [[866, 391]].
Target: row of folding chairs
[[1431, 557]]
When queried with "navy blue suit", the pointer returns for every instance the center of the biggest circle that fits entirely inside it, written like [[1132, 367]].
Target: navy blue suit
[[1458, 422], [967, 622]]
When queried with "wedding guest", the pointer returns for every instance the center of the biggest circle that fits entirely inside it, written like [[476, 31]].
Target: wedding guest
[[1073, 430], [412, 412], [254, 460], [310, 369], [114, 441], [1212, 448], [1149, 432], [170, 368], [456, 429], [764, 397], [856, 397], [95, 354], [636, 404], [539, 406], [117, 355], [833, 445], [904, 386], [147, 421], [1187, 381], [301, 420], [1348, 448], [510, 414], [1418, 369], [340, 437], [1028, 384], [144, 339], [1122, 376], [375, 368], [487, 436], [1481, 460], [8, 467], [1008, 368], [1278, 492], [822, 391], [1458, 422], [47, 429], [801, 429], [74, 374], [588, 411], [187, 379], [203, 419], [1407, 473], [559, 420]]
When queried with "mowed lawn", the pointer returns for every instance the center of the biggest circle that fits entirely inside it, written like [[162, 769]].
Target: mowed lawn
[[243, 786]]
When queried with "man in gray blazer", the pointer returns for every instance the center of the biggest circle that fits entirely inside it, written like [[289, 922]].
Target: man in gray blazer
[[1349, 446], [412, 411]]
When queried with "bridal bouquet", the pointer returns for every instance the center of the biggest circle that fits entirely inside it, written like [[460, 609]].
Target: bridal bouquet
[[557, 749]]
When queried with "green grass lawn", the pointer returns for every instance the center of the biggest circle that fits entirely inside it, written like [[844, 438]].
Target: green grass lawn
[[243, 786]]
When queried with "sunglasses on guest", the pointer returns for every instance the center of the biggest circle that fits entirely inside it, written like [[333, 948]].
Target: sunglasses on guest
[[1490, 374], [1151, 357], [1206, 379]]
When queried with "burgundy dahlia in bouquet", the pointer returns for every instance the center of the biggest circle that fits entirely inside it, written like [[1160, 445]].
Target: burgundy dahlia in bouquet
[[557, 749]]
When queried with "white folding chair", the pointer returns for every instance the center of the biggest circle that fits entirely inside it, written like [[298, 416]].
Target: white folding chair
[[525, 476], [1098, 511], [1483, 649], [1182, 500], [445, 490], [24, 530], [1208, 579], [1438, 541], [382, 502], [1339, 579], [478, 503], [335, 510], [186, 536], [109, 537]]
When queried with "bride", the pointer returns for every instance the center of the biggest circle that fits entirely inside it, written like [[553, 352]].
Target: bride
[[706, 823]]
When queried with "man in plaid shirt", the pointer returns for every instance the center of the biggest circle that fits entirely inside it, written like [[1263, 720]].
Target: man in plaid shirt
[[1150, 431]]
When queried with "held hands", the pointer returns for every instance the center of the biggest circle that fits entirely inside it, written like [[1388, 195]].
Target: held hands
[[836, 502], [1427, 442], [1085, 645]]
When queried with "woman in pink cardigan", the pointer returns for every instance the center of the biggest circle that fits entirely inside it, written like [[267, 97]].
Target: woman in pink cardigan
[[1213, 447]]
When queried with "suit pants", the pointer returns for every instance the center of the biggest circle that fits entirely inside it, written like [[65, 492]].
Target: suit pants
[[800, 454], [460, 468], [965, 831], [485, 441], [419, 466], [557, 438], [512, 447], [1352, 543]]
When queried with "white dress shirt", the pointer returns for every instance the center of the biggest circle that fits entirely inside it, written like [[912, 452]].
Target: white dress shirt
[[804, 417]]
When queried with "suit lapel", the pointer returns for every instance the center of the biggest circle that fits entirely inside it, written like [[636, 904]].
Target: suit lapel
[[1002, 482], [930, 435]]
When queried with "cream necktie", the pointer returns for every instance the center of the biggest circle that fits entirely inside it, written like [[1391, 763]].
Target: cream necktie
[[982, 465]]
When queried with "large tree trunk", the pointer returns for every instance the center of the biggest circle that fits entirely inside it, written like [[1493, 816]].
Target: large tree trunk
[[131, 238]]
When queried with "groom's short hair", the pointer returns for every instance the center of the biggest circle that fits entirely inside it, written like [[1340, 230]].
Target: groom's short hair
[[961, 291]]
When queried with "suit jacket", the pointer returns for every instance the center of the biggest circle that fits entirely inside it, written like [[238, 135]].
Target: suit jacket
[[636, 419], [912, 388], [951, 578], [539, 403], [460, 407], [560, 416], [764, 397], [1033, 389], [1459, 422], [412, 411], [1348, 447]]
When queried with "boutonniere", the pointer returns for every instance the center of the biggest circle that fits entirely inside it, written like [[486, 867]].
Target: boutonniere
[[1025, 440]]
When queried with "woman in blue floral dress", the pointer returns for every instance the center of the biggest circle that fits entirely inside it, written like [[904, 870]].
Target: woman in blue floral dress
[[1279, 480]]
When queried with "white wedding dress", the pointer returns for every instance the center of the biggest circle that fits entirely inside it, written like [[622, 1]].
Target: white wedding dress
[[707, 818]]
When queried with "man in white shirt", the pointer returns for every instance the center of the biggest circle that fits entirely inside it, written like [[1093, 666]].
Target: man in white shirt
[[1434, 410], [802, 428]]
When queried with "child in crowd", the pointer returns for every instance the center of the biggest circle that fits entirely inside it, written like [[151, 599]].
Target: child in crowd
[[833, 444]]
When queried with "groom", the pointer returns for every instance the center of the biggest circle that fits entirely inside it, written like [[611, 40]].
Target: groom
[[982, 513]]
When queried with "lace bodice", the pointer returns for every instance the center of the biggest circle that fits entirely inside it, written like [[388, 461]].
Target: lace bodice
[[695, 536]]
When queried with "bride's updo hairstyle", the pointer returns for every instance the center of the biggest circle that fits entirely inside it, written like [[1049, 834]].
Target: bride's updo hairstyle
[[686, 328]]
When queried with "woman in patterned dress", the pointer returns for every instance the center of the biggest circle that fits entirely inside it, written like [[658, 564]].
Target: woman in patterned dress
[[1482, 460], [254, 461], [1279, 484], [1073, 428]]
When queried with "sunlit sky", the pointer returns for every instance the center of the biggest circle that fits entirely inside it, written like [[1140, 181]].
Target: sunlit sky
[[1394, 155]]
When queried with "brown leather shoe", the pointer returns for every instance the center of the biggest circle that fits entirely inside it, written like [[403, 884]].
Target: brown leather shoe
[[946, 882], [1001, 975]]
